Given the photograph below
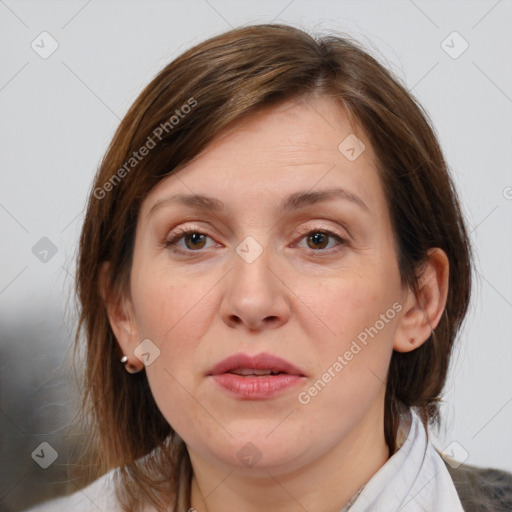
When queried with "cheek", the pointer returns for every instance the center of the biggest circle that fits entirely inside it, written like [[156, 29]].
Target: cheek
[[351, 355], [176, 322], [171, 311], [339, 310], [352, 335], [175, 315]]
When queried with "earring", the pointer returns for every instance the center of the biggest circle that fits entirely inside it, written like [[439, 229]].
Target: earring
[[129, 367]]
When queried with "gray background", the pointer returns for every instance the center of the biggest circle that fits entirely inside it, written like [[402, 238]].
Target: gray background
[[58, 115]]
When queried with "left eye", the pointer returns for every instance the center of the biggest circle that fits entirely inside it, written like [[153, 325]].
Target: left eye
[[320, 239]]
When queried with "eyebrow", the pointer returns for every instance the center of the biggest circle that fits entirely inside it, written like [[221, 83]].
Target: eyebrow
[[292, 202]]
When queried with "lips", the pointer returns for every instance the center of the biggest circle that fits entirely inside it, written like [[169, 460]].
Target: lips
[[259, 377], [261, 364]]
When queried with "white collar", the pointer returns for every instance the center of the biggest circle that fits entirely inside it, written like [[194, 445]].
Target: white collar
[[413, 479]]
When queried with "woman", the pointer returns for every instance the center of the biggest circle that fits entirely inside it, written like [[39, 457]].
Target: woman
[[273, 269]]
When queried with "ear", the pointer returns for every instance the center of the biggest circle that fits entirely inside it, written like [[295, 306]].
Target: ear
[[121, 318], [422, 313]]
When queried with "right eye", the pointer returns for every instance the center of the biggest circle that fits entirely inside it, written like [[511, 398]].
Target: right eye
[[192, 239]]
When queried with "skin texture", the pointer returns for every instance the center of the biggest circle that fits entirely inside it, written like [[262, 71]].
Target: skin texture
[[301, 299]]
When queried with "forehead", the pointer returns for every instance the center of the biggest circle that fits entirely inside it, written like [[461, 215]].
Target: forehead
[[302, 131], [300, 144]]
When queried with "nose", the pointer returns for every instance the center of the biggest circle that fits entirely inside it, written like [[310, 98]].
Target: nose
[[255, 296]]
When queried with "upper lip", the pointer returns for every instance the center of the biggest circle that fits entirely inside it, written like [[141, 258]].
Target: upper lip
[[261, 361]]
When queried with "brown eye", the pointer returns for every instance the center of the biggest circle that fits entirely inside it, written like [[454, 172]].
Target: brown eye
[[322, 241], [188, 240], [318, 240], [195, 241]]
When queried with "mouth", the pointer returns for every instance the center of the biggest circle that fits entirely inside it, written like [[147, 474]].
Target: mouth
[[259, 377], [255, 366], [251, 372]]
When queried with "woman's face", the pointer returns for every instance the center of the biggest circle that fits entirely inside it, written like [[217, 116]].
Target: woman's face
[[290, 255]]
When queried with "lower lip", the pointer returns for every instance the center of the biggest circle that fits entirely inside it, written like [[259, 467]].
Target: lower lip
[[257, 388]]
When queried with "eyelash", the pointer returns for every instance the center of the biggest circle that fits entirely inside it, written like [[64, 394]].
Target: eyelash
[[181, 233]]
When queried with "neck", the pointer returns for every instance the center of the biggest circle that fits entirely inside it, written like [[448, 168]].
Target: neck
[[325, 485]]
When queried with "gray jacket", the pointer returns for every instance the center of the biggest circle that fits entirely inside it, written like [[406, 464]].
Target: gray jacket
[[482, 489]]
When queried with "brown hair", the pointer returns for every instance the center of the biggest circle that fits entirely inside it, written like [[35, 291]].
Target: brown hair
[[208, 87]]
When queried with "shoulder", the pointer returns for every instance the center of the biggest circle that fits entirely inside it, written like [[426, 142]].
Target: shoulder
[[99, 495], [482, 489]]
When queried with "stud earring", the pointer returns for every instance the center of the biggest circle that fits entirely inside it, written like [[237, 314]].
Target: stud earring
[[130, 368]]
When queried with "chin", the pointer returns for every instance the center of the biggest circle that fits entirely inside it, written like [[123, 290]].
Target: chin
[[257, 450]]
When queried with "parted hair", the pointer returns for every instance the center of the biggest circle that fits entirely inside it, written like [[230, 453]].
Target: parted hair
[[190, 102]]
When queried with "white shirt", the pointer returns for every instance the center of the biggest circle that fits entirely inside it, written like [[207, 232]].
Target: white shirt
[[413, 479]]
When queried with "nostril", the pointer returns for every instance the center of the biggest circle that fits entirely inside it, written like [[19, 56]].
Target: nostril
[[235, 320], [255, 325]]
